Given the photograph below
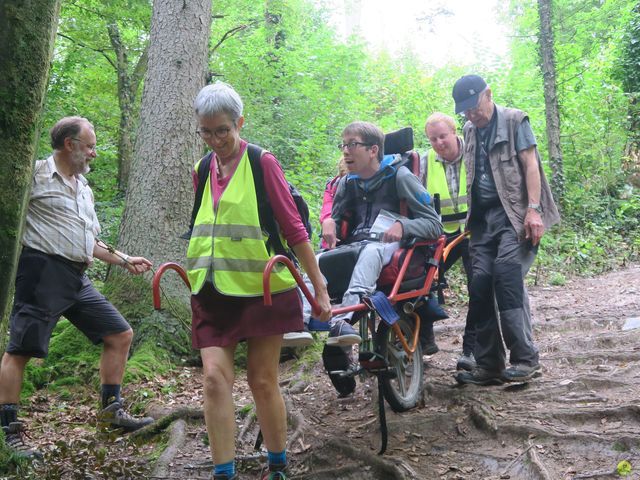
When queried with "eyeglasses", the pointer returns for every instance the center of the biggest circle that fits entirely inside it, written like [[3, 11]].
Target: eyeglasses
[[92, 148], [220, 133], [477, 107], [352, 145]]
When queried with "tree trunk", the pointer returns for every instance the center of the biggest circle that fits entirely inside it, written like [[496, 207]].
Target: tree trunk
[[128, 85], [27, 30], [160, 190], [551, 100]]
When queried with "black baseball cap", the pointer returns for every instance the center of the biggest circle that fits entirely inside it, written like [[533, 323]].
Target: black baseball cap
[[466, 92]]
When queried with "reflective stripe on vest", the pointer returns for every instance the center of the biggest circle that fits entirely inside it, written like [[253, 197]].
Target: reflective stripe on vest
[[452, 218], [229, 241]]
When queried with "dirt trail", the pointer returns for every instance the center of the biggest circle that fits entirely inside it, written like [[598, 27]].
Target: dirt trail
[[578, 421]]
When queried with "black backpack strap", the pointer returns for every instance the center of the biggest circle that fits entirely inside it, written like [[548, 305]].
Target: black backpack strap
[[265, 212], [203, 172]]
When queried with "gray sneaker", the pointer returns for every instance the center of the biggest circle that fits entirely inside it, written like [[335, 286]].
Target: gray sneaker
[[116, 416], [14, 438], [343, 334], [466, 362], [297, 339]]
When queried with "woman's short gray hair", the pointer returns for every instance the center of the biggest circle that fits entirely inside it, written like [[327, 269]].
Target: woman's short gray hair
[[218, 98]]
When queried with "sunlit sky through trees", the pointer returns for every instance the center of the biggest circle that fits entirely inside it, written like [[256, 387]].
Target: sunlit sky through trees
[[463, 32]]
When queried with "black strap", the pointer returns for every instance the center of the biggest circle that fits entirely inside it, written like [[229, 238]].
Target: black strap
[[382, 416], [454, 217], [203, 173], [265, 212]]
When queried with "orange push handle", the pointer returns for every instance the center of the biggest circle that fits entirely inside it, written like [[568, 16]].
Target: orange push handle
[[158, 276]]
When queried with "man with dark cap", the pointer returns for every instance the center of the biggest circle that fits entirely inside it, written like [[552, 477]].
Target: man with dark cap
[[509, 207]]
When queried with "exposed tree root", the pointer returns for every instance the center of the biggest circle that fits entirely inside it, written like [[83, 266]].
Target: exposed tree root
[[513, 462], [295, 420], [482, 418], [177, 435], [163, 423], [537, 463], [602, 474], [370, 465]]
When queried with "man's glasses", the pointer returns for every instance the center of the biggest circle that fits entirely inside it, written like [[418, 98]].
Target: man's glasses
[[92, 148], [476, 109], [352, 145], [220, 133]]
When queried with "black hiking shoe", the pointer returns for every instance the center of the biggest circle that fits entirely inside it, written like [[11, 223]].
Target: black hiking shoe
[[521, 373], [14, 438], [115, 415], [479, 376], [428, 339], [336, 361], [466, 362]]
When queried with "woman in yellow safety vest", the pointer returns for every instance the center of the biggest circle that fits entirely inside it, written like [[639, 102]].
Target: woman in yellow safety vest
[[225, 259]]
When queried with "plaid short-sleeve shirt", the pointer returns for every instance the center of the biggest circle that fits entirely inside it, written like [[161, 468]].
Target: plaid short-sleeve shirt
[[61, 218]]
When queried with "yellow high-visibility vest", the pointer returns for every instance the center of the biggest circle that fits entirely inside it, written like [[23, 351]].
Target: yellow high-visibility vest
[[229, 242], [453, 216]]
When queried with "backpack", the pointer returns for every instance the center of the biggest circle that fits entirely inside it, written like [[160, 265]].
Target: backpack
[[265, 212]]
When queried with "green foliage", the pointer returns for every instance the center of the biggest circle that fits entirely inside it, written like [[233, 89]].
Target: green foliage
[[301, 85], [72, 360], [600, 217]]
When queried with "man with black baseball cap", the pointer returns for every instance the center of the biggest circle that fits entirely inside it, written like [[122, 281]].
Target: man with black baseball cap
[[509, 207]]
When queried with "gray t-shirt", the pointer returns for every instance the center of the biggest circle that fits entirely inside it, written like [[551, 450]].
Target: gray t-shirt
[[485, 194]]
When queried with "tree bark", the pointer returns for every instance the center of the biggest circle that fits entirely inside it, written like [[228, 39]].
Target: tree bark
[[552, 111], [128, 85], [27, 31], [160, 190]]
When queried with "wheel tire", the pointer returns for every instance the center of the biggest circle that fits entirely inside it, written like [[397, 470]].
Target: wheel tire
[[403, 390]]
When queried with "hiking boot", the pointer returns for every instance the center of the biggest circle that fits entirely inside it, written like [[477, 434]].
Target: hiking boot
[[430, 348], [116, 416], [428, 339], [336, 361], [297, 339], [343, 334], [14, 438], [466, 361], [479, 376], [275, 472], [521, 373]]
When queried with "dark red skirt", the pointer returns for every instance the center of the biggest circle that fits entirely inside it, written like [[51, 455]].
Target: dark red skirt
[[219, 320]]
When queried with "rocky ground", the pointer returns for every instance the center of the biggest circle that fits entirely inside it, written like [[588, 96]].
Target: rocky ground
[[580, 420]]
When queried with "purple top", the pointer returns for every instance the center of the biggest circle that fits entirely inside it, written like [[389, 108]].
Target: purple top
[[277, 189]]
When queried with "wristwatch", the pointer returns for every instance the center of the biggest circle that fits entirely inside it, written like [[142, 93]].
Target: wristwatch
[[536, 207]]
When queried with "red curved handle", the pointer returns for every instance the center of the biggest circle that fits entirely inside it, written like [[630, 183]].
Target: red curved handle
[[266, 281], [158, 276]]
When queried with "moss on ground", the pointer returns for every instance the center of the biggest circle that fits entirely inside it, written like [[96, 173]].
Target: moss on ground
[[160, 341]]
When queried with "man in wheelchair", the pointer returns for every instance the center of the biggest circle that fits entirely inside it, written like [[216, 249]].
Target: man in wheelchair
[[375, 183]]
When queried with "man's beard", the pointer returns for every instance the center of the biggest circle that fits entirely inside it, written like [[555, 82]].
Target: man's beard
[[79, 163]]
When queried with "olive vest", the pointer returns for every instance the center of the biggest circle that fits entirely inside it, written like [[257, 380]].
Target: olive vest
[[229, 242], [507, 171], [453, 216]]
